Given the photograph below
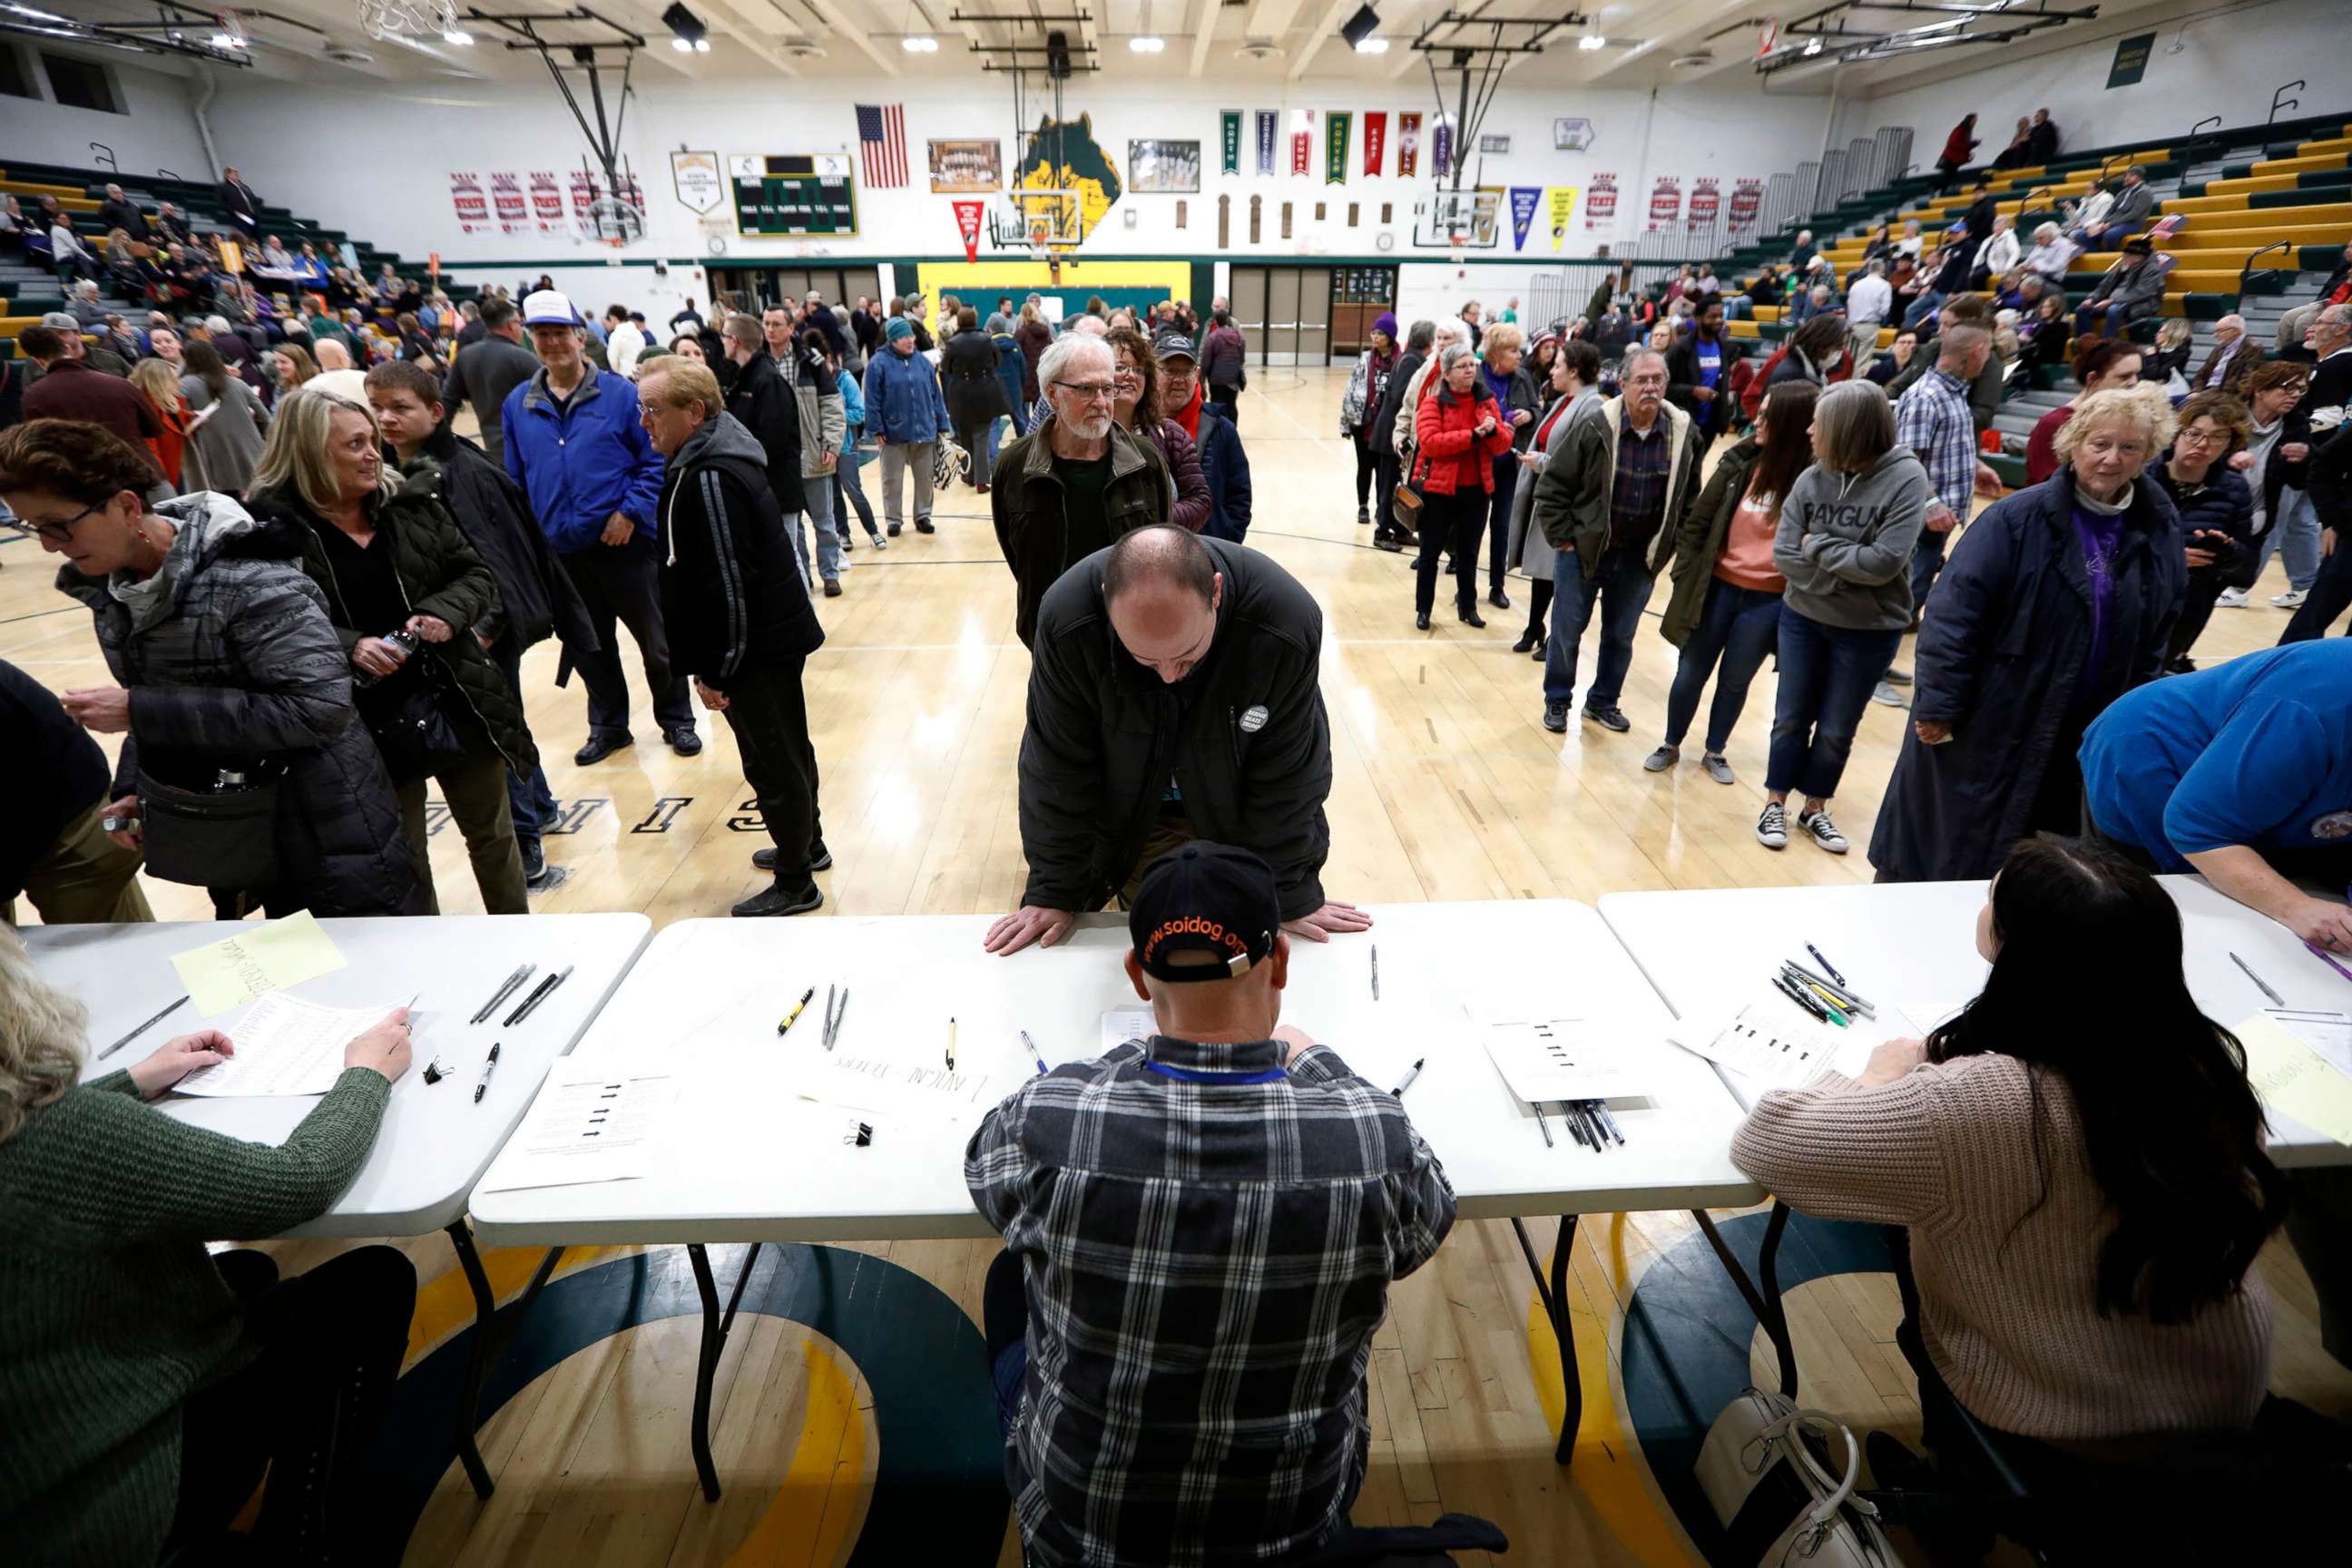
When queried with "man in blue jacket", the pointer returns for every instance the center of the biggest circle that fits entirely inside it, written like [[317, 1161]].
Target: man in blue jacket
[[575, 444]]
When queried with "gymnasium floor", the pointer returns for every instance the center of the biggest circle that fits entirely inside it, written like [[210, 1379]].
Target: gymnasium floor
[[1447, 788]]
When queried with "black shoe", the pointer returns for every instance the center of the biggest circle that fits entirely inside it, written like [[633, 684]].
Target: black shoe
[[923, 525], [820, 858], [1468, 616], [1363, 517], [1497, 598], [599, 747], [833, 587], [1608, 718], [894, 530], [1894, 1467], [685, 741], [1526, 640], [534, 859], [1556, 717], [780, 899], [1388, 542], [1542, 648], [1421, 621]]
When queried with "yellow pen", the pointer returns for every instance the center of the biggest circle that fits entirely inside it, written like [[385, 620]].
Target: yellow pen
[[794, 1016]]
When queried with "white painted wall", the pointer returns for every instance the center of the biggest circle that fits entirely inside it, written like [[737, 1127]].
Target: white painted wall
[[378, 162], [2233, 57], [159, 132]]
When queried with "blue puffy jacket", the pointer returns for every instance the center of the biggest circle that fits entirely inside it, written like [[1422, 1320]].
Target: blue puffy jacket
[[1226, 467], [585, 464], [853, 411], [903, 400]]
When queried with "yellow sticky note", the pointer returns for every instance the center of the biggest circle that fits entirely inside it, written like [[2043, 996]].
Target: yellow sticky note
[[271, 956], [2295, 1080]]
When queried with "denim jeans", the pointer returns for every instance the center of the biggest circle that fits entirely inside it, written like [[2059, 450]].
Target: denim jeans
[[1920, 306], [2110, 320], [529, 800], [847, 491], [2295, 534], [1737, 626], [1826, 675], [1625, 582], [817, 501], [1927, 562]]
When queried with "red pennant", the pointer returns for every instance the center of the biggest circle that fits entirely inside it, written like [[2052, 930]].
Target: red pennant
[[968, 225]]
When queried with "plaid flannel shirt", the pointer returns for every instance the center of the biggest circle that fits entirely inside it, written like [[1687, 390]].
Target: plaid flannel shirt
[[1637, 492], [1934, 420], [1206, 1259]]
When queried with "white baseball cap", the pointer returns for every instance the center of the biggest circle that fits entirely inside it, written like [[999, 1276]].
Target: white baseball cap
[[546, 308]]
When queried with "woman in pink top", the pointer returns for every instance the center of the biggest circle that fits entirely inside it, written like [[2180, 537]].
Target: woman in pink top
[[1726, 599], [2078, 1159]]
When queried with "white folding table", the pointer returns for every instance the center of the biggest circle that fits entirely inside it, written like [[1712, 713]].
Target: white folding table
[[436, 1138], [748, 1160]]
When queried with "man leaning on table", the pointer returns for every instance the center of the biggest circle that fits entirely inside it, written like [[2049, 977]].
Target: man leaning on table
[[1174, 694], [1200, 1233]]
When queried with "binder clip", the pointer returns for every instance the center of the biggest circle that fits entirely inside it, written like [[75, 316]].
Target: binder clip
[[433, 1071], [862, 1135]]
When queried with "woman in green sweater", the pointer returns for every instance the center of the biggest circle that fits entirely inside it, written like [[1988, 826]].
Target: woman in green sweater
[[145, 1384]]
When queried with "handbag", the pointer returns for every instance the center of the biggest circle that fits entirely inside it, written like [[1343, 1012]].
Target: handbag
[[212, 839], [412, 730], [1773, 1491]]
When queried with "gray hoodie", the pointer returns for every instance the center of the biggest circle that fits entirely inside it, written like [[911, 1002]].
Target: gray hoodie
[[1844, 542]]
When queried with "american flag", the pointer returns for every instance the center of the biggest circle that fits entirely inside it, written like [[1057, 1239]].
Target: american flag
[[882, 132]]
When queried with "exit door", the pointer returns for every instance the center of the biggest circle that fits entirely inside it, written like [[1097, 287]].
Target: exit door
[[1284, 312]]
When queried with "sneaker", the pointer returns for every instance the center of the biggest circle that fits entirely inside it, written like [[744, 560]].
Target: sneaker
[[846, 542], [2291, 600], [1823, 830], [1716, 768], [820, 858], [2230, 599], [1556, 717], [1609, 717], [1898, 676], [1885, 692], [1772, 825], [1661, 759], [778, 899], [879, 542], [534, 859]]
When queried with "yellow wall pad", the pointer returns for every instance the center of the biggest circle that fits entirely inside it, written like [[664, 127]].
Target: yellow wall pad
[[1176, 276]]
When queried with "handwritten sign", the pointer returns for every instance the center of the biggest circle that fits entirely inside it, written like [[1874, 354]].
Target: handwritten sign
[[270, 957]]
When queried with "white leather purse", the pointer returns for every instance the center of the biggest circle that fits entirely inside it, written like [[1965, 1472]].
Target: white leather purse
[[1777, 1501]]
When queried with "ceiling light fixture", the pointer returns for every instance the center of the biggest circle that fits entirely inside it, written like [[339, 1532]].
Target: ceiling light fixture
[[1592, 41], [689, 35], [919, 44], [1373, 46], [458, 36], [1147, 43]]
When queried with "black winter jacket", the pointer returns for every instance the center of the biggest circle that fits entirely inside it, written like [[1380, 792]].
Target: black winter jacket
[[732, 594], [1243, 737], [1384, 418], [2221, 504], [536, 598], [1026, 504], [968, 378], [235, 662], [60, 773], [768, 411]]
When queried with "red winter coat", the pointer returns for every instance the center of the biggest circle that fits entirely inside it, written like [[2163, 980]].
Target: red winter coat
[[1452, 451]]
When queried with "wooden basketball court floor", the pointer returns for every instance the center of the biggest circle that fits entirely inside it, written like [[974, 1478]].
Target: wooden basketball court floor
[[1447, 788]]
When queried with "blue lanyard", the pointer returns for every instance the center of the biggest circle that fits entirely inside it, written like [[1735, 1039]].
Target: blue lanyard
[[1192, 1075]]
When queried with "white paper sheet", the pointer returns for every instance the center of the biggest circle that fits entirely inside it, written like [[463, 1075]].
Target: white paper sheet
[[888, 1088], [1546, 1058], [1120, 1024], [284, 1047], [2329, 1035], [1769, 1050], [586, 1126]]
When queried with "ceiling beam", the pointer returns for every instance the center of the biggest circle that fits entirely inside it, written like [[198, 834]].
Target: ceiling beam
[[843, 27], [1269, 18], [1328, 28], [744, 30], [448, 59], [1205, 34]]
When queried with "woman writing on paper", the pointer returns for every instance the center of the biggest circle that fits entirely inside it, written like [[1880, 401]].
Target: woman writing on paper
[[2080, 1171], [147, 1384]]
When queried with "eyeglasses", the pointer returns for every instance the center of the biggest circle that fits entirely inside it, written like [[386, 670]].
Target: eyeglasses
[[1089, 390], [1126, 377], [56, 532], [2200, 437]]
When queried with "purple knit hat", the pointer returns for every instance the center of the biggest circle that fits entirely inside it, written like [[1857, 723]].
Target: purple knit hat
[[1386, 322]]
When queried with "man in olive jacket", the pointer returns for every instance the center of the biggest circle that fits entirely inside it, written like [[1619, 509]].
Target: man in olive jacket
[[1174, 694]]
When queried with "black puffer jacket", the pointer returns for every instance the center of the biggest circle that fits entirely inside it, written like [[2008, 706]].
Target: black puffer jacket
[[1245, 737], [440, 574], [968, 378], [234, 660], [1025, 504], [732, 596], [536, 598], [765, 406]]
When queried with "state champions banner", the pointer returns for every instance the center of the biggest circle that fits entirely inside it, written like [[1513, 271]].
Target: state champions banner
[[1524, 199], [1302, 141], [1441, 147], [1335, 146], [1232, 140], [1407, 144], [1705, 202], [1562, 202], [1376, 141], [1265, 123], [1665, 200], [1600, 201]]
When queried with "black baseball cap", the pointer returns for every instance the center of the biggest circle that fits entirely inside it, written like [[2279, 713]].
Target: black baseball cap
[[1204, 898], [1175, 345]]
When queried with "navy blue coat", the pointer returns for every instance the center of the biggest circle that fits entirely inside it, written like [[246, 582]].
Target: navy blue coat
[[1226, 467], [2002, 646]]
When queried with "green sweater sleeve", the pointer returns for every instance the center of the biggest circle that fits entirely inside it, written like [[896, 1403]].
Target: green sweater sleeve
[[116, 1169]]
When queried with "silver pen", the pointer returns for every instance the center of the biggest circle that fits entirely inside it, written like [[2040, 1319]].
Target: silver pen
[[1376, 971], [504, 991], [2276, 1000]]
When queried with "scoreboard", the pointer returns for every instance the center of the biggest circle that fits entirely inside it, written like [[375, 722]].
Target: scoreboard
[[794, 194]]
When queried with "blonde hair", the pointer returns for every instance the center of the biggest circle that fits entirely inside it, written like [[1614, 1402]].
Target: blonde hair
[[41, 1031], [295, 456], [156, 379], [2146, 408], [1501, 340], [682, 382]]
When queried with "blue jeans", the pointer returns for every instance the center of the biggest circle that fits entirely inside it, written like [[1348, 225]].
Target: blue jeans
[[816, 501], [1926, 302], [1625, 582], [1737, 626], [1826, 675], [2295, 534], [530, 801], [2110, 319], [1927, 561]]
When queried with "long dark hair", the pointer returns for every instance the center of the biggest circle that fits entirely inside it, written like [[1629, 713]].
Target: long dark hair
[[2088, 989], [206, 364], [1790, 409]]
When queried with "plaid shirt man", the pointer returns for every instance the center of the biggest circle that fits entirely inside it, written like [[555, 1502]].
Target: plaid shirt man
[[1637, 496], [1934, 420], [1207, 1241]]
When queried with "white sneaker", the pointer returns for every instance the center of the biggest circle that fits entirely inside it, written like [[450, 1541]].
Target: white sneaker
[[1772, 825], [2291, 600], [2230, 599], [1885, 692], [880, 543], [1823, 830]]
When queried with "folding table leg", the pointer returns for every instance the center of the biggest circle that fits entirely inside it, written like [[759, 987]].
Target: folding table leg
[[715, 1324], [1553, 1294], [1766, 1305], [489, 1338]]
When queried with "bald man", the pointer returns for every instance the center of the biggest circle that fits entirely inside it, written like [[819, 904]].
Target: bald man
[[2233, 359], [1174, 694]]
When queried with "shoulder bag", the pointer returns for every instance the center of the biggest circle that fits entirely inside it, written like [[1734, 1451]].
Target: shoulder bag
[[1767, 1468]]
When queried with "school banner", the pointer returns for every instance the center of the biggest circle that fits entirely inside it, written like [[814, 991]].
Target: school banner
[[1600, 201], [1302, 141], [1232, 140], [1265, 121], [1335, 146], [1376, 141], [1562, 202], [1746, 201], [1408, 145], [967, 215], [1665, 200], [1441, 148], [1705, 200], [1523, 213]]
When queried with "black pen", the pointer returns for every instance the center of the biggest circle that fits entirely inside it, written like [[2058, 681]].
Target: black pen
[[522, 973], [537, 995], [1821, 959], [1411, 1073], [1611, 1121], [483, 1087], [143, 1028], [1543, 1124]]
